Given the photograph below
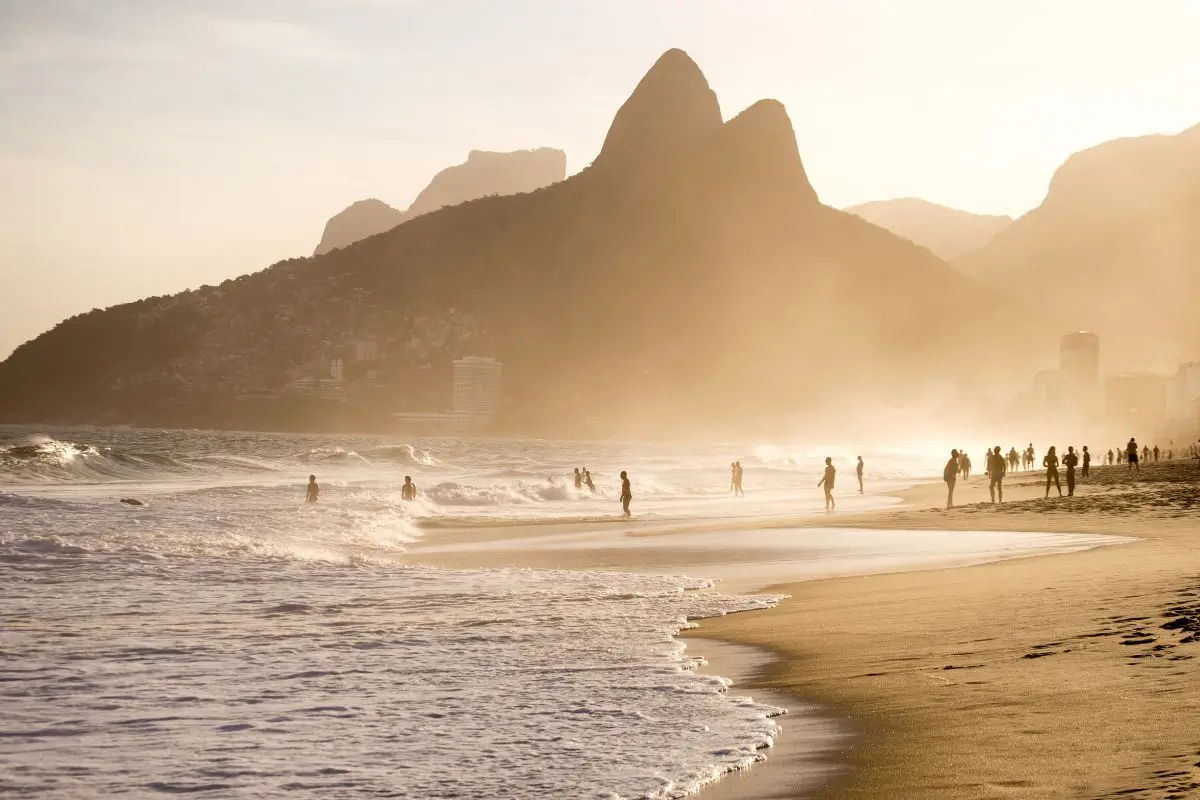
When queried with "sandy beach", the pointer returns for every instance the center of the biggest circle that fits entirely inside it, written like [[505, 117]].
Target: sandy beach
[[1069, 674]]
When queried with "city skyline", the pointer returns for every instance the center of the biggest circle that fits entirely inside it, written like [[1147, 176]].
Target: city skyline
[[161, 149]]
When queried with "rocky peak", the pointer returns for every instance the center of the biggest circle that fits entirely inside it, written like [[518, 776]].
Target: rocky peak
[[672, 105]]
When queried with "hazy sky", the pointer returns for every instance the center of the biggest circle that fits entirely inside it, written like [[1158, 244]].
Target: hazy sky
[[148, 146]]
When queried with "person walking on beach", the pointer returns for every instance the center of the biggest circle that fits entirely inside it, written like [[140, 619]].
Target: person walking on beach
[[626, 494], [737, 480], [858, 470], [964, 463], [1013, 459], [1131, 454], [1146, 454], [1110, 457], [1070, 461], [313, 491], [950, 476], [827, 482], [1087, 462], [733, 477], [1050, 462], [578, 479], [1156, 453], [996, 468], [408, 492]]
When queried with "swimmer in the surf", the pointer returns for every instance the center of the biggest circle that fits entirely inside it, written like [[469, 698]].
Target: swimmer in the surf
[[409, 490], [314, 490]]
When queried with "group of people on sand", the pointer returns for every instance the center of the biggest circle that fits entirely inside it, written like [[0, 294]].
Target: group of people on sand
[[408, 491], [1124, 455], [999, 464]]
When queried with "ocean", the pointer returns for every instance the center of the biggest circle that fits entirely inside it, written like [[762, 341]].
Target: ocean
[[229, 640]]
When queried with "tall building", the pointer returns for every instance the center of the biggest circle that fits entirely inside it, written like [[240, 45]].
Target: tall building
[[476, 391], [1079, 371]]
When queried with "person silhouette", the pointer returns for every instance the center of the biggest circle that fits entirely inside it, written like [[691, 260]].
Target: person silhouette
[[313, 491], [587, 480], [737, 479], [827, 483], [1050, 462], [996, 467], [1110, 457], [578, 479], [626, 494], [964, 463], [733, 477], [1131, 454], [950, 476], [858, 470], [408, 492], [1156, 453], [1070, 461], [1087, 462]]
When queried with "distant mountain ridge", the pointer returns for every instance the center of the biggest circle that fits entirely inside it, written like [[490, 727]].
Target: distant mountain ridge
[[482, 174], [689, 280], [1113, 248], [947, 232]]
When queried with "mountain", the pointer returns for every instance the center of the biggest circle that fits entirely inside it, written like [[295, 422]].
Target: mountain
[[484, 173], [689, 280], [947, 232], [1113, 248]]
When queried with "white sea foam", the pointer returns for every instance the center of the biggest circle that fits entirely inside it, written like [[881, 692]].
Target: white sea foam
[[320, 680], [227, 637]]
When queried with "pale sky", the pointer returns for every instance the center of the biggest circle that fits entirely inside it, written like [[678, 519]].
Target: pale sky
[[150, 146]]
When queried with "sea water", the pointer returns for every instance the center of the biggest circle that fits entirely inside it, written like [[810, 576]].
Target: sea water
[[226, 638]]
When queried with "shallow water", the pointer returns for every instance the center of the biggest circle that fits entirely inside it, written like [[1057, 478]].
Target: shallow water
[[227, 639]]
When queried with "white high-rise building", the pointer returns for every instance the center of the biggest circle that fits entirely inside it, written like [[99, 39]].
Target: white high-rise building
[[476, 391]]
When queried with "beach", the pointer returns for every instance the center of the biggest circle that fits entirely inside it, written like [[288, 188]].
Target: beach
[[1047, 676]]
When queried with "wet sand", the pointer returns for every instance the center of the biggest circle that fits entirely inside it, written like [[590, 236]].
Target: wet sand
[[1069, 675], [1048, 676]]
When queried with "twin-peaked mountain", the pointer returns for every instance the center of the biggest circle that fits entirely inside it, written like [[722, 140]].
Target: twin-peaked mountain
[[689, 280], [484, 173]]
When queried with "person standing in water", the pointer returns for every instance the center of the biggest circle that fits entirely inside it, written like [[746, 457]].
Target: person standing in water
[[996, 468], [578, 479], [733, 477], [1050, 462], [738, 479], [314, 491], [950, 476], [408, 491], [858, 470], [827, 483], [626, 494], [1087, 462], [1131, 454], [1070, 461], [587, 479]]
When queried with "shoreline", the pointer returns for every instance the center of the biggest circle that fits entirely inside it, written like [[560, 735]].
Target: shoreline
[[1045, 676], [804, 753], [773, 630]]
